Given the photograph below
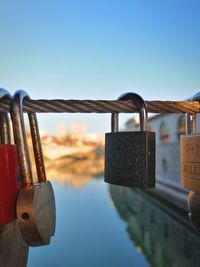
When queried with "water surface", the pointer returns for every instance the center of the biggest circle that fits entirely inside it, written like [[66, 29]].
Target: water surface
[[89, 231], [101, 225]]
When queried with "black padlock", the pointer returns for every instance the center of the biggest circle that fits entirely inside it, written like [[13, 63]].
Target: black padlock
[[130, 156]]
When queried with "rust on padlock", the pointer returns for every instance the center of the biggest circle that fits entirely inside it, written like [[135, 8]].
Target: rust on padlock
[[20, 139], [37, 148], [190, 161], [5, 129], [35, 201]]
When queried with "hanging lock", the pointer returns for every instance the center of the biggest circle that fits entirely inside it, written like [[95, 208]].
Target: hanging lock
[[9, 169], [190, 155], [130, 156], [35, 201], [190, 167]]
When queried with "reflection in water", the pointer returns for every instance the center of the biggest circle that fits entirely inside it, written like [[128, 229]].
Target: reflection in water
[[162, 233], [75, 170], [89, 232]]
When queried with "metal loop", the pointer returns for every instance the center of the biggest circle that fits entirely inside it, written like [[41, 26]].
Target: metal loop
[[37, 147], [4, 120], [21, 141], [20, 136], [141, 107], [191, 118]]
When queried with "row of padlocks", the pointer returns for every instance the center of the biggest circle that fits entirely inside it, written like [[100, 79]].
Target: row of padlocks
[[32, 204], [129, 161], [130, 157]]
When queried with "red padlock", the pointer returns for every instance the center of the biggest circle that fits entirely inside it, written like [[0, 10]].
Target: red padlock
[[9, 170]]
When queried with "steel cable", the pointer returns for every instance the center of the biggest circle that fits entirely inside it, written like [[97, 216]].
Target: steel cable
[[102, 106]]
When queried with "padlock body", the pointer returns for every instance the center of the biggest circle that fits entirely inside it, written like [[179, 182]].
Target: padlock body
[[190, 161], [9, 187], [130, 159], [36, 213]]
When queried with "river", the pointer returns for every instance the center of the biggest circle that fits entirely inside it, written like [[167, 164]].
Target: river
[[99, 225], [89, 231]]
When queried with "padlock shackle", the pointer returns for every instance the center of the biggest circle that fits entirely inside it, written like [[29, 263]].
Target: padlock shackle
[[115, 122], [4, 93], [21, 141], [190, 125], [37, 147], [5, 129], [191, 118], [20, 136], [4, 120], [141, 107]]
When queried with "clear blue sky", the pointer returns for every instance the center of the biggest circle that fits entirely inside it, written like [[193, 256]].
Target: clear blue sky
[[99, 50]]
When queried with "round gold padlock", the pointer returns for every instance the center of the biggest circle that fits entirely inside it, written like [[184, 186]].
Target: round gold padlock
[[35, 201]]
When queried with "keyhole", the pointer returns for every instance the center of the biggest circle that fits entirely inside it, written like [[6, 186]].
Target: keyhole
[[25, 216]]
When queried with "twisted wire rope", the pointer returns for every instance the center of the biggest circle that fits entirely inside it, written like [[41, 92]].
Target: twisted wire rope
[[101, 106]]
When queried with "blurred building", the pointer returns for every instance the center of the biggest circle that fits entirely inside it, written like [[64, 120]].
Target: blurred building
[[160, 231]]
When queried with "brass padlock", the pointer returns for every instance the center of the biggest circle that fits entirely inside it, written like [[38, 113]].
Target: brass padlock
[[190, 156], [130, 156], [35, 201]]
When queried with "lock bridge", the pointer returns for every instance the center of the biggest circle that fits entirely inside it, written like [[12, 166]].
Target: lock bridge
[[168, 178]]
